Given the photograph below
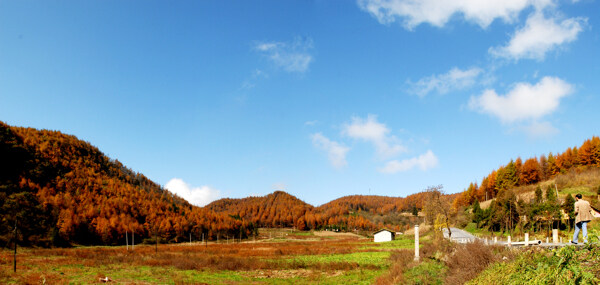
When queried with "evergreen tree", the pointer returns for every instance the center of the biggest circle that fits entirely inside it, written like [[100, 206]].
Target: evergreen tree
[[538, 195], [569, 207], [550, 194], [477, 213]]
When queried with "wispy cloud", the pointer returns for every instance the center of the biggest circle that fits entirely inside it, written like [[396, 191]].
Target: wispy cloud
[[250, 82], [539, 36], [279, 186], [455, 79], [199, 196], [290, 56], [311, 123], [336, 152], [524, 101], [378, 134], [438, 12], [424, 162], [537, 130]]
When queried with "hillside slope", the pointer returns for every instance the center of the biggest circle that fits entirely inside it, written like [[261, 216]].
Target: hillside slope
[[278, 209], [61, 190], [534, 170]]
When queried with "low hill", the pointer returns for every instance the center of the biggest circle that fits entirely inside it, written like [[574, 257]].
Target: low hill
[[278, 209], [536, 195], [364, 212], [564, 167], [61, 190]]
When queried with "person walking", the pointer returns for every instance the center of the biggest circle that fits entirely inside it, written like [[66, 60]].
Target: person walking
[[583, 210]]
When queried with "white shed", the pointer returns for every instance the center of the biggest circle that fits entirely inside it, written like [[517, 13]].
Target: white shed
[[383, 235]]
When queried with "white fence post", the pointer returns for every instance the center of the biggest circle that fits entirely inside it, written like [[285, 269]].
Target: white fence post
[[416, 242]]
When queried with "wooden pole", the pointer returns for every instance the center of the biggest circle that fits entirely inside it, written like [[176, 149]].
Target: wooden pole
[[15, 255], [126, 241]]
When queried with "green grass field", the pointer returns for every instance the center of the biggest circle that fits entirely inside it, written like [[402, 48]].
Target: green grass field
[[284, 259], [583, 190]]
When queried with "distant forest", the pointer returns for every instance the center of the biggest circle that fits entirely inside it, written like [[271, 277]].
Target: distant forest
[[60, 191]]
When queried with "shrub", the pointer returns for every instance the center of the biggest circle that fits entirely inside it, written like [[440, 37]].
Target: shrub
[[400, 262], [470, 259]]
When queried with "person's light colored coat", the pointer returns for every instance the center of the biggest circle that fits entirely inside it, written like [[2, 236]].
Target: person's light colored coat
[[583, 211]]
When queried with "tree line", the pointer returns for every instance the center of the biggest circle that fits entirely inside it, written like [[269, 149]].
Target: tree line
[[64, 191], [533, 170], [544, 210]]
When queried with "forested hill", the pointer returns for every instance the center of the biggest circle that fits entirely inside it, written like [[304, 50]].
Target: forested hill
[[63, 190], [274, 210], [281, 209], [534, 170]]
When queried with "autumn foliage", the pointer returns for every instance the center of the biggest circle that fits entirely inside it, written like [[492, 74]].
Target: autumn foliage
[[532, 171], [62, 190]]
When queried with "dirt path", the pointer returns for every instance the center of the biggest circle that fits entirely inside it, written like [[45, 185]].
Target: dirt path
[[336, 234]]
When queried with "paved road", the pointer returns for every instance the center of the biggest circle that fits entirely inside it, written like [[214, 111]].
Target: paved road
[[462, 236], [459, 235]]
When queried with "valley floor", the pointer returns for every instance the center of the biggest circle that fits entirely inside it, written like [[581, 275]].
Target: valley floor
[[298, 258]]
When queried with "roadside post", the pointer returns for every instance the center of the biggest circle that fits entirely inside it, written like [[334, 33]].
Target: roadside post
[[416, 242]]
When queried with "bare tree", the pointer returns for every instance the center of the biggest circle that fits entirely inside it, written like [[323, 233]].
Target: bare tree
[[437, 204]]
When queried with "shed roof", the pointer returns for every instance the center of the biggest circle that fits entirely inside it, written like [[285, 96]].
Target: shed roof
[[383, 230]]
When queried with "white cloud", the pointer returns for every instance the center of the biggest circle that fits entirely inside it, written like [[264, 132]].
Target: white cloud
[[455, 79], [524, 101], [198, 196], [439, 12], [424, 162], [335, 151], [377, 133], [291, 57], [539, 36], [311, 123]]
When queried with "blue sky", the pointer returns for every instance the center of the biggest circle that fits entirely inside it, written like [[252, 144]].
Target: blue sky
[[322, 99]]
